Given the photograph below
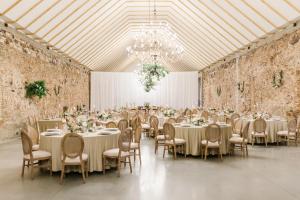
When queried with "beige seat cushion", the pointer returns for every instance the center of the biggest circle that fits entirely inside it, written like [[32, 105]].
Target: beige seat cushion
[[236, 135], [160, 137], [74, 161], [145, 126], [38, 155], [114, 153], [35, 147], [285, 133], [237, 140], [177, 141], [210, 144], [255, 134], [134, 145]]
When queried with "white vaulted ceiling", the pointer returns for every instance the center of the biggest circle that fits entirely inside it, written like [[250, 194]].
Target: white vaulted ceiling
[[96, 32]]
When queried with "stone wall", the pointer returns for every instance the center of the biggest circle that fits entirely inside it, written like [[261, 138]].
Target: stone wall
[[22, 61], [256, 70]]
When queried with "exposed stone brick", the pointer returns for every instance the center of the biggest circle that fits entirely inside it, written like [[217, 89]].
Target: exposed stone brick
[[21, 62], [256, 69]]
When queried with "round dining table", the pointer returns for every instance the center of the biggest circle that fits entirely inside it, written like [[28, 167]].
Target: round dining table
[[193, 135], [95, 143], [273, 126]]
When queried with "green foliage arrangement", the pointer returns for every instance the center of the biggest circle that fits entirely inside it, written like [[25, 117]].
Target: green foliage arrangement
[[150, 74], [36, 88]]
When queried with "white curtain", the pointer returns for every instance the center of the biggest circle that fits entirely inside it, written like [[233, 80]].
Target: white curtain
[[117, 89]]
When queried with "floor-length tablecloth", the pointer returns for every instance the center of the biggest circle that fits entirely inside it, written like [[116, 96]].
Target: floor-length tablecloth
[[194, 134], [94, 146]]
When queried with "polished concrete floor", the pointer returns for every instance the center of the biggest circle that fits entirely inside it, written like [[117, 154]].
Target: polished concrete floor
[[268, 173]]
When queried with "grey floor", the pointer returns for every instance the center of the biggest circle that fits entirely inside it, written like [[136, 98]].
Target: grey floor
[[268, 173]]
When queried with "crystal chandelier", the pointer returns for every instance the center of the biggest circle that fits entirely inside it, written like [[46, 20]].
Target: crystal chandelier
[[155, 42]]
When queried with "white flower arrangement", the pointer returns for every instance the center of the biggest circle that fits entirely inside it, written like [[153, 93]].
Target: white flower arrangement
[[198, 121], [104, 116], [169, 112]]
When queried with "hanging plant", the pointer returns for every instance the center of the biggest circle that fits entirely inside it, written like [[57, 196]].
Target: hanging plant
[[277, 79], [241, 86], [36, 88], [150, 74], [219, 90]]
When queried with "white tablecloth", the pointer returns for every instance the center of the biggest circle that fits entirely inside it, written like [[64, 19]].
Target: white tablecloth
[[194, 134], [94, 146]]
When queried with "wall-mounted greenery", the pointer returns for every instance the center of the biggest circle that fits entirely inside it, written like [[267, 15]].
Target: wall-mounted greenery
[[241, 86], [277, 79], [36, 88], [219, 90]]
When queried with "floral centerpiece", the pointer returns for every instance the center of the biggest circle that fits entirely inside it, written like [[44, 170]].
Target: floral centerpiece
[[72, 124], [229, 111], [104, 116], [198, 121], [147, 106], [169, 112]]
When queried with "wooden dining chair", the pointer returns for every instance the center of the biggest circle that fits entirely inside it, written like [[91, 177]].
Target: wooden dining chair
[[172, 142], [212, 140], [171, 120], [32, 158], [111, 125], [120, 154], [259, 130], [240, 142], [123, 125], [135, 146], [72, 146], [289, 135]]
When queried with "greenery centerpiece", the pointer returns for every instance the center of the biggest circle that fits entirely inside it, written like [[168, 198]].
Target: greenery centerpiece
[[36, 88], [150, 74], [198, 121], [169, 112], [104, 116]]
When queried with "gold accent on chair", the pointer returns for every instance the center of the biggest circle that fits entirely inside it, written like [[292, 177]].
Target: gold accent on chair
[[72, 146], [136, 144]]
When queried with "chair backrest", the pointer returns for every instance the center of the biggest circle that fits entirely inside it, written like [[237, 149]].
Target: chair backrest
[[125, 114], [124, 141], [72, 146], [135, 122], [214, 117], [237, 124], [204, 114], [234, 116], [259, 125], [111, 125], [169, 131], [26, 143], [213, 133], [292, 125], [138, 134], [33, 134], [187, 112], [171, 120], [180, 119], [154, 124], [245, 131], [123, 124]]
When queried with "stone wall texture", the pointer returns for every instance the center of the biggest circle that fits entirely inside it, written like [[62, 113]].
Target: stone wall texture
[[21, 62], [256, 70]]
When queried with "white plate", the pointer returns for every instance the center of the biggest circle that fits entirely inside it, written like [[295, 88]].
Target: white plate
[[53, 130], [110, 129], [52, 133], [104, 133]]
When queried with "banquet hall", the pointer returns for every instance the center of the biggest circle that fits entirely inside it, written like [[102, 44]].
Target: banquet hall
[[150, 99]]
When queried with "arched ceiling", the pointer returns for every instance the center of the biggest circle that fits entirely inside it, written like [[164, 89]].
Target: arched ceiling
[[97, 32]]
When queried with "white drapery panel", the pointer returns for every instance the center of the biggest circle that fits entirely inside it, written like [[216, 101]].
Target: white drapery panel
[[117, 89]]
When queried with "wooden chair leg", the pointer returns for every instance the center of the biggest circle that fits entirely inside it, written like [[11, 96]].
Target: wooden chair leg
[[23, 166], [31, 169], [266, 141], [164, 151], [119, 166], [205, 153], [50, 166], [62, 173], [252, 140], [82, 171], [103, 164], [220, 152], [130, 166], [134, 154], [156, 146], [174, 152], [140, 156]]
